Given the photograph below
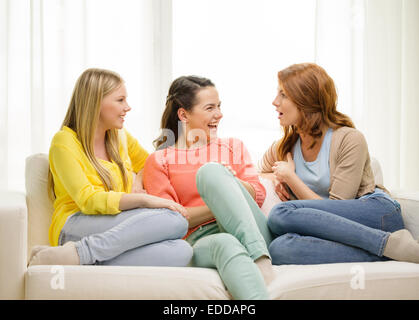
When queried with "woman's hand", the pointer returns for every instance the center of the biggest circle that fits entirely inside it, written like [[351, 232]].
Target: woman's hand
[[149, 201], [245, 184], [284, 170], [281, 190]]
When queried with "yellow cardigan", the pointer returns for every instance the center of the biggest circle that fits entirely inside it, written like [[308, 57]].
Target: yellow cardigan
[[77, 185]]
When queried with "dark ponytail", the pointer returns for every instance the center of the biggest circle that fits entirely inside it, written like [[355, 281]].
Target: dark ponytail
[[182, 94]]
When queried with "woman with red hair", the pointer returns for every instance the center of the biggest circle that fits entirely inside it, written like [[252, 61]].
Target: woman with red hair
[[322, 163]]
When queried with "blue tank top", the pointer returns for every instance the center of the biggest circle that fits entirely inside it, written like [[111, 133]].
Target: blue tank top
[[315, 174]]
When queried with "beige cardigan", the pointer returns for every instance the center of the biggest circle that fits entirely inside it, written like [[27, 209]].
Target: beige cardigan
[[351, 175]]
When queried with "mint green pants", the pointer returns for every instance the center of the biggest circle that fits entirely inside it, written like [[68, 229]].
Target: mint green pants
[[238, 238]]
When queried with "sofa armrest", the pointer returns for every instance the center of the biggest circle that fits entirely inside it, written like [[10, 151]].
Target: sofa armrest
[[409, 202], [13, 242]]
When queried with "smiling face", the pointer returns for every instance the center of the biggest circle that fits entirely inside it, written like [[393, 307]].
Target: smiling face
[[113, 109], [288, 113], [205, 115]]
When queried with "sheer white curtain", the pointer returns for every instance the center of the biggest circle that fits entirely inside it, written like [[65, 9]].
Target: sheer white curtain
[[369, 47], [46, 44], [391, 88]]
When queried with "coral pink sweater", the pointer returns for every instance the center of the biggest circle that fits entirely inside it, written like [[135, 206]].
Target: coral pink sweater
[[170, 173]]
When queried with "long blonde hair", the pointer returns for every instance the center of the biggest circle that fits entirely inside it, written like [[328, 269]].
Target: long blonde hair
[[313, 92], [83, 117]]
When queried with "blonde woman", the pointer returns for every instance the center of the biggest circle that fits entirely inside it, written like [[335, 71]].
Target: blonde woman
[[93, 163]]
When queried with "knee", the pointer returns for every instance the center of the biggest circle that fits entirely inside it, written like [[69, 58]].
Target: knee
[[179, 225], [282, 250], [278, 219], [181, 253], [219, 239], [206, 173], [209, 168], [226, 245]]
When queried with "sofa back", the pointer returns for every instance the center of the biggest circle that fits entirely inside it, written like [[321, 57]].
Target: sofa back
[[40, 206]]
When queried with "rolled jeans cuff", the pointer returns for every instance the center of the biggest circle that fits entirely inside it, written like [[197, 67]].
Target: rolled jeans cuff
[[257, 249]]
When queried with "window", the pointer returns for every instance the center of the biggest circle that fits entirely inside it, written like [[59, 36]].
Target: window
[[241, 45]]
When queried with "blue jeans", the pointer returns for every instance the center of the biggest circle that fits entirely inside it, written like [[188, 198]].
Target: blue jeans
[[137, 237], [332, 231]]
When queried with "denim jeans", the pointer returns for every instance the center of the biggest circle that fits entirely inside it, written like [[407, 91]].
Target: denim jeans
[[332, 231], [137, 237], [238, 238]]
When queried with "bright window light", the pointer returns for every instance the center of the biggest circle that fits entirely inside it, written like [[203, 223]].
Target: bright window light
[[241, 45]]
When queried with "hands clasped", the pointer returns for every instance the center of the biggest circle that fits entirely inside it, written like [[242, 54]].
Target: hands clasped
[[283, 170], [150, 201]]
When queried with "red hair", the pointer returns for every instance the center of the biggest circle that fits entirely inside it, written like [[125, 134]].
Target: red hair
[[313, 91]]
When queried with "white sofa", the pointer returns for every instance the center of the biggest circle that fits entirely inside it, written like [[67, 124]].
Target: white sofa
[[24, 222]]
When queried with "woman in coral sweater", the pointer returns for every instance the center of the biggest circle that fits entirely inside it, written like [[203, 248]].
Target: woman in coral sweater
[[215, 180]]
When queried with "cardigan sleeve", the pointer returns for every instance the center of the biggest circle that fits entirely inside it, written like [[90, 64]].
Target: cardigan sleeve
[[69, 171], [269, 158], [351, 157]]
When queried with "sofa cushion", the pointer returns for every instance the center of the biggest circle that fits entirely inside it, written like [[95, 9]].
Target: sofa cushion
[[366, 280], [115, 282], [348, 281], [271, 198], [409, 202]]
